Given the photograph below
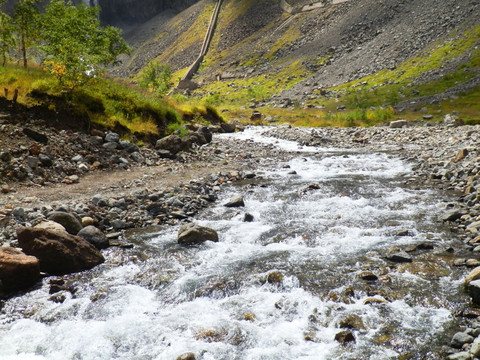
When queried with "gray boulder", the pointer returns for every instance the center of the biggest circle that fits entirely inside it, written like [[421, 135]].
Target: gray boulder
[[236, 201], [474, 291], [192, 233], [94, 236], [460, 339], [67, 220]]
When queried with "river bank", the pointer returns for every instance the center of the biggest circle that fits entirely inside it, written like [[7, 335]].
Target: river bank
[[441, 156]]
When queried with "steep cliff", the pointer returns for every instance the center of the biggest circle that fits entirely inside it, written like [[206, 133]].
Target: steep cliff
[[125, 13]]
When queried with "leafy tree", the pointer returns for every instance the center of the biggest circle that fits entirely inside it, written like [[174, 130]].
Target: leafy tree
[[76, 46], [7, 40], [27, 20], [156, 76]]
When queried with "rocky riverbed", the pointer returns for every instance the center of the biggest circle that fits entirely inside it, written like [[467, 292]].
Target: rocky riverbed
[[159, 192]]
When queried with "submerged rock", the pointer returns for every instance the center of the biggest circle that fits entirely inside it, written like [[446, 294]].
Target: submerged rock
[[195, 234], [59, 253]]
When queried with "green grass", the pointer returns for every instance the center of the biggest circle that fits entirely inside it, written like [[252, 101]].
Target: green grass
[[106, 102]]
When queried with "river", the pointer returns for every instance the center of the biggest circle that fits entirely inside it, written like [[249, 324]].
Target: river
[[279, 287]]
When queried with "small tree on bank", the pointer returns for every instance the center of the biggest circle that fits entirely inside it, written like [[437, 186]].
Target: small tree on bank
[[7, 39], [76, 46], [156, 76], [27, 20]]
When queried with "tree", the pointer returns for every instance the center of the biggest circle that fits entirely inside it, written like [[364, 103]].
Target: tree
[[7, 40], [76, 46], [156, 76], [27, 20]]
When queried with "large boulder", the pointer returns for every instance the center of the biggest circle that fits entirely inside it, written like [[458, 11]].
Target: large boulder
[[59, 253], [17, 270], [206, 133], [172, 143], [67, 220], [195, 234], [236, 201], [94, 236]]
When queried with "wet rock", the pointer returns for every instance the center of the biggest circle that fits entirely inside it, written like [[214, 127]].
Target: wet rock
[[375, 300], [460, 339], [192, 233], [475, 349], [17, 270], [67, 220], [473, 275], [474, 291], [453, 215], [248, 217], [400, 257], [236, 201], [187, 356], [352, 321], [368, 276], [274, 277], [58, 253], [94, 236], [463, 355], [344, 337], [472, 263]]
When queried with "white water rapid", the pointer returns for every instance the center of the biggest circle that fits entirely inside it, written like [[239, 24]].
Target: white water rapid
[[161, 300]]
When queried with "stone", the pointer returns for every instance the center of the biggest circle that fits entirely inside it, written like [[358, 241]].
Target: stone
[[460, 339], [94, 236], [6, 156], [172, 143], [474, 291], [99, 200], [17, 270], [352, 321], [69, 221], [344, 337], [248, 217], [87, 221], [453, 215], [368, 276], [5, 189], [192, 233], [110, 145], [461, 155], [45, 160], [128, 146], [50, 225], [187, 356], [256, 116], [463, 355], [475, 349], [398, 124], [112, 137], [374, 300], [58, 253], [274, 277], [472, 263], [206, 133], [35, 135], [228, 128], [451, 120], [399, 257], [165, 154], [473, 275], [236, 201]]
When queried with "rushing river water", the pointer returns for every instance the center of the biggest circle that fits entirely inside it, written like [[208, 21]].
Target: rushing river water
[[280, 287]]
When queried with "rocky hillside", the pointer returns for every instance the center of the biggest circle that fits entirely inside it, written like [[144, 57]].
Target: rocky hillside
[[297, 54]]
